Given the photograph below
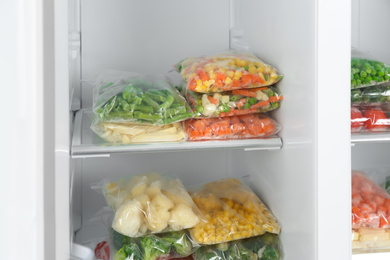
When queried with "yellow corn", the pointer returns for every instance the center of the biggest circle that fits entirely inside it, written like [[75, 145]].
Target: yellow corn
[[260, 69], [206, 83], [230, 73], [252, 70], [228, 80]]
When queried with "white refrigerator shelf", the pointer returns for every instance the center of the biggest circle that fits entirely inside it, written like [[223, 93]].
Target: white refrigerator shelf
[[86, 143], [372, 137]]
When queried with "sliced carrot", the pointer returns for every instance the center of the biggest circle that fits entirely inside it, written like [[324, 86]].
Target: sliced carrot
[[202, 75], [213, 100], [241, 103], [260, 104], [244, 92], [275, 98]]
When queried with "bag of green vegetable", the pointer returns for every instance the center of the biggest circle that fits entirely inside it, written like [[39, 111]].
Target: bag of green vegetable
[[131, 133], [149, 203], [366, 71], [226, 71], [143, 99], [265, 247], [171, 245], [235, 102]]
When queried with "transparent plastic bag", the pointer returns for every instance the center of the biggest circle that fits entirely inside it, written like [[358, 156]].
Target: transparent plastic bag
[[235, 102], [233, 212], [227, 71], [366, 71], [370, 214], [369, 119], [232, 127], [136, 98], [264, 247], [149, 203], [129, 133]]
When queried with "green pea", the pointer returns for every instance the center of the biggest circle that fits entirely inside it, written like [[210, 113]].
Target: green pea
[[363, 74], [247, 105]]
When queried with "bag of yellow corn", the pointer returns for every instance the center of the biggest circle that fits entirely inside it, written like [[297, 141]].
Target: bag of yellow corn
[[228, 71], [233, 212]]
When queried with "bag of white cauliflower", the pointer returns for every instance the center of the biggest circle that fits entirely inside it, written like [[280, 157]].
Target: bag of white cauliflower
[[150, 203]]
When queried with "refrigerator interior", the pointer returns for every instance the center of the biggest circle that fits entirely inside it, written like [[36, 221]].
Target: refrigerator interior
[[132, 36]]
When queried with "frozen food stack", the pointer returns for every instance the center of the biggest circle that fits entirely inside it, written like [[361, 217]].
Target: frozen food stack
[[370, 214], [227, 92], [135, 108]]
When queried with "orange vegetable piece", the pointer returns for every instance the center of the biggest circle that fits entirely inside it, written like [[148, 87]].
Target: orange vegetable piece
[[241, 103], [244, 92], [213, 100], [202, 75]]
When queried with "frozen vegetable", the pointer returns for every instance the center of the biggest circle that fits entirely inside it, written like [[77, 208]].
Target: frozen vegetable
[[143, 99], [376, 95], [357, 120], [224, 72], [171, 245], [150, 203], [356, 96], [366, 72], [234, 127], [130, 133], [376, 120], [235, 102], [233, 212], [265, 247]]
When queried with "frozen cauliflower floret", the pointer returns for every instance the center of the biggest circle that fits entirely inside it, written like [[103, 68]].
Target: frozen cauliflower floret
[[139, 189], [152, 191], [128, 219], [182, 217], [144, 200], [177, 199], [157, 219], [161, 201]]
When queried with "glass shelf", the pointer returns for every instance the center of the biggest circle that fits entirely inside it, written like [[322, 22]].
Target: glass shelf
[[381, 137], [86, 143]]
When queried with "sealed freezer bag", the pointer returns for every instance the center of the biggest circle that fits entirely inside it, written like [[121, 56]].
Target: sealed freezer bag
[[264, 247], [142, 99], [235, 102], [228, 71], [376, 95], [369, 119], [130, 133], [149, 203], [231, 127], [232, 211], [366, 71], [370, 213], [171, 245]]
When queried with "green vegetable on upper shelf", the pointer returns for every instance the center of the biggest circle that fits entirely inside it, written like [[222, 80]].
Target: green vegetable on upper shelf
[[365, 73], [141, 99]]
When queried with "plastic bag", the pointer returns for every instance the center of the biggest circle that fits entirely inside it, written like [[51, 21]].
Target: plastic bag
[[235, 102], [366, 71], [149, 203], [171, 245], [265, 247], [370, 213], [234, 127], [233, 212], [142, 99], [369, 119], [228, 71], [128, 133]]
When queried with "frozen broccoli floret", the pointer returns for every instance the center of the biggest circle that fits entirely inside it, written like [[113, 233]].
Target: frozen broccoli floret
[[118, 240], [153, 247], [269, 253], [209, 253], [130, 251], [239, 252], [179, 241]]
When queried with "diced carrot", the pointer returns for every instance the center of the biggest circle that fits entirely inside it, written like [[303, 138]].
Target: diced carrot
[[269, 129], [244, 92], [237, 128], [260, 104], [213, 100], [275, 98], [256, 79], [218, 83], [202, 75], [355, 210], [208, 132], [234, 120], [199, 124], [382, 221], [254, 130], [246, 80], [241, 103], [220, 76], [235, 84], [192, 85]]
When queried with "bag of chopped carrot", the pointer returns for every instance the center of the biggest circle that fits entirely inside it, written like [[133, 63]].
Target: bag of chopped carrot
[[231, 127], [233, 212], [234, 102], [228, 71], [370, 214]]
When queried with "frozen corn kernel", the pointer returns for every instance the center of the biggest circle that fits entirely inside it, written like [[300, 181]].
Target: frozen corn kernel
[[230, 73], [206, 83], [238, 73], [228, 80], [260, 69], [252, 70]]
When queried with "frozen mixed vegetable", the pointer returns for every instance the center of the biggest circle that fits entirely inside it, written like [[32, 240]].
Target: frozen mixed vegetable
[[235, 102], [128, 133], [370, 213], [224, 72], [233, 212], [367, 119], [265, 247], [232, 127], [148, 99], [365, 72], [150, 203]]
